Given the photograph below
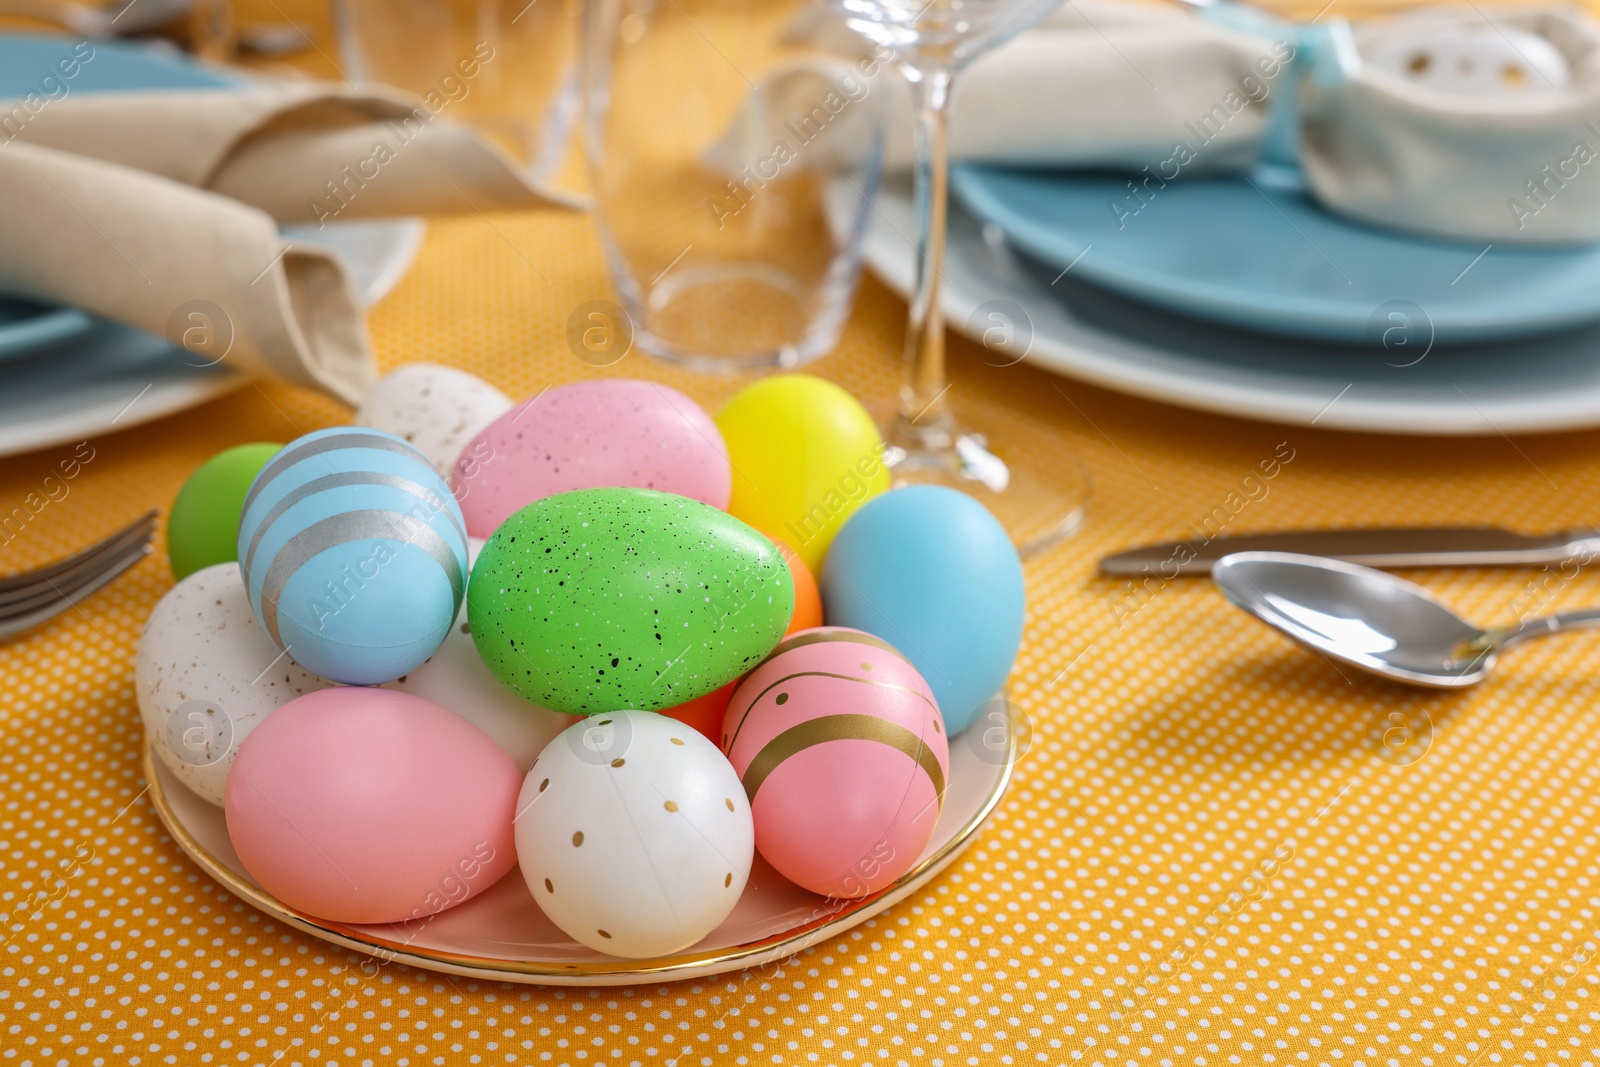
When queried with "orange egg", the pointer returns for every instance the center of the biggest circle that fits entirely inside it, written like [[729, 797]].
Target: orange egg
[[807, 597], [705, 713]]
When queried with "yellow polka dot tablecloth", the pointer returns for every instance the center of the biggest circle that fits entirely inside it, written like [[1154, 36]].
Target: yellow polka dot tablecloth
[[1217, 848]]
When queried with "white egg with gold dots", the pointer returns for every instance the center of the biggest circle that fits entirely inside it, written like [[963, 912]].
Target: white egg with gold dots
[[634, 834]]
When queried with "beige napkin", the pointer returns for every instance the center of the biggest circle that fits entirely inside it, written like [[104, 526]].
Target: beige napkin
[[300, 152], [1164, 90], [157, 210]]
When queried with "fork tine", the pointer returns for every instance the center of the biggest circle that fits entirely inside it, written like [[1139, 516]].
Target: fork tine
[[85, 565], [12, 627], [22, 602], [141, 528], [84, 568]]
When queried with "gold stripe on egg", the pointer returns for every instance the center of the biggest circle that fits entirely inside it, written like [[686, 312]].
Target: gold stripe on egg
[[854, 636], [848, 727], [821, 674]]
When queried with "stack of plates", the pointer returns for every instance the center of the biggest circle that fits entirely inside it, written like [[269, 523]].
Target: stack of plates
[[1240, 295], [65, 376]]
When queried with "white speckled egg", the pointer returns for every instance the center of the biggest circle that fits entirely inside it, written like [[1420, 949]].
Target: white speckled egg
[[455, 677], [207, 675], [438, 409], [634, 834]]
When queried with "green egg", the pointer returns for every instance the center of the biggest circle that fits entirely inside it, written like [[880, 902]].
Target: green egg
[[203, 526], [616, 599]]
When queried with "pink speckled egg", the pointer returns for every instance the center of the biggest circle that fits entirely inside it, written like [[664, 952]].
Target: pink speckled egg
[[369, 806], [618, 432], [842, 752]]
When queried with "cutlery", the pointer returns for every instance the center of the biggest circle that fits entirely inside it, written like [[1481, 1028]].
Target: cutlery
[[1374, 621], [1415, 546], [36, 596]]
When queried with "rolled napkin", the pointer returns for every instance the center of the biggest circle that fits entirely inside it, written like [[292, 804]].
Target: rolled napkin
[[300, 152], [195, 266], [1504, 168], [157, 209], [1165, 91]]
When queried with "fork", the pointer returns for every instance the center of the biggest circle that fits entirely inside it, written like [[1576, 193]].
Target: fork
[[36, 596]]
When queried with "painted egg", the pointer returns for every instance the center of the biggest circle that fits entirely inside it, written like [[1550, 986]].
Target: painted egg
[[634, 835], [354, 554], [207, 675], [838, 742], [806, 454], [366, 806], [607, 599], [590, 435], [704, 714], [807, 597], [203, 525], [928, 569], [438, 409], [455, 677]]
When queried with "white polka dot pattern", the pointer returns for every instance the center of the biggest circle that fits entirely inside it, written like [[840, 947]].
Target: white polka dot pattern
[[1218, 850]]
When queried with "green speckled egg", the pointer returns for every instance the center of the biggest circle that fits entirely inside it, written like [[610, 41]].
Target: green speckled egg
[[614, 599]]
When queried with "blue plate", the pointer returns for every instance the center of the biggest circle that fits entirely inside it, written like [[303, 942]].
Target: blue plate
[[25, 60], [1260, 254]]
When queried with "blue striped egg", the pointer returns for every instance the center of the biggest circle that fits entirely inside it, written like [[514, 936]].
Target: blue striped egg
[[354, 554]]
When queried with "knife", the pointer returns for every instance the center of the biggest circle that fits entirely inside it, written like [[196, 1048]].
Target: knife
[[1412, 546]]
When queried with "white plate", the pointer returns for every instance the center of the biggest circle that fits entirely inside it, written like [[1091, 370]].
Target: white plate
[[115, 377], [1533, 386]]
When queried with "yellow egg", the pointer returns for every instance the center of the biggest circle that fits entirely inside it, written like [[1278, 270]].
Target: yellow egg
[[805, 456]]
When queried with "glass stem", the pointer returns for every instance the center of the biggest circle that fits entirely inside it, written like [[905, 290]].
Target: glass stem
[[923, 422]]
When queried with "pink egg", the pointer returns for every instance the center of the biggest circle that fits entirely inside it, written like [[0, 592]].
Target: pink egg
[[591, 435], [370, 806], [842, 752]]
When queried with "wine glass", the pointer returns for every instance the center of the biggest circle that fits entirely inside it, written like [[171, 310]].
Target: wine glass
[[930, 437]]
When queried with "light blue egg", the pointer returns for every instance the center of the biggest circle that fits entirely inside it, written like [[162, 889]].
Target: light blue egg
[[929, 570], [354, 553]]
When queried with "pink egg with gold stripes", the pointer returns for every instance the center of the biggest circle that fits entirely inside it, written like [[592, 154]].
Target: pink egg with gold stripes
[[842, 752]]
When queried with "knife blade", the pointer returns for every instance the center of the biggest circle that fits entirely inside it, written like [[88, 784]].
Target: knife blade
[[1409, 546]]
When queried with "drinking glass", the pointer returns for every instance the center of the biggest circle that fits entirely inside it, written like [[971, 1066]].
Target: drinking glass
[[724, 244], [506, 67], [930, 438]]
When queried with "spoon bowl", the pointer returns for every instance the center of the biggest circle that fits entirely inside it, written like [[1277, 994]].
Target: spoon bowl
[[1369, 619]]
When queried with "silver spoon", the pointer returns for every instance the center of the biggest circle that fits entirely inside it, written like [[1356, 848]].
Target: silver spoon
[[1374, 621]]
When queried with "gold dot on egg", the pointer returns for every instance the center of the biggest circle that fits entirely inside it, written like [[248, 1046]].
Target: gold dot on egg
[[866, 666], [671, 805], [783, 698], [548, 888], [619, 761], [605, 722], [544, 785], [577, 839], [605, 935], [677, 740], [728, 801], [937, 728], [728, 880]]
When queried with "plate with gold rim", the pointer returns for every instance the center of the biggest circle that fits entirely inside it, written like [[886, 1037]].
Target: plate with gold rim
[[501, 935]]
